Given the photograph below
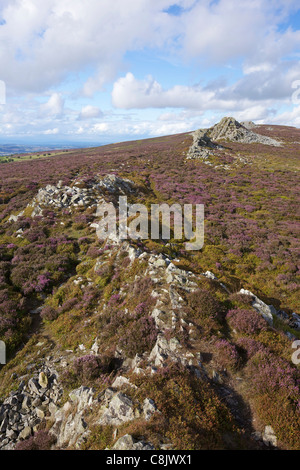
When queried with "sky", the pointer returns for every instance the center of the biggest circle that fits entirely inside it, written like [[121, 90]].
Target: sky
[[113, 70]]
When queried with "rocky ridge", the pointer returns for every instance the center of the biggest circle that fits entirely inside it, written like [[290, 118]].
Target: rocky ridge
[[38, 400]]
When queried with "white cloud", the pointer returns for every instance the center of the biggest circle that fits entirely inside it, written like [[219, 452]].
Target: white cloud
[[54, 105], [90, 112], [128, 92], [51, 131], [232, 29], [46, 41]]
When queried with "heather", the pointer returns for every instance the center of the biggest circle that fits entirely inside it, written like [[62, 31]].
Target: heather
[[245, 321]]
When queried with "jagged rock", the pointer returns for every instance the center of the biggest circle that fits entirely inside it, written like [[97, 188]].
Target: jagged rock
[[43, 380], [202, 146], [120, 381], [113, 184], [160, 318], [295, 321], [95, 347], [120, 410], [217, 378], [164, 350], [265, 310], [40, 413], [15, 218], [83, 397], [229, 129], [128, 443], [61, 197], [149, 408], [248, 124], [34, 386], [27, 432]]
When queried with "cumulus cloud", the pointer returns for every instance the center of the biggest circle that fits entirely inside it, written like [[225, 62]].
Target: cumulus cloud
[[90, 112], [54, 105], [51, 131], [128, 92], [46, 41], [253, 92]]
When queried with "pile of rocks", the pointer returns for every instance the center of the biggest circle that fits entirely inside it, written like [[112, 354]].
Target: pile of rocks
[[80, 194], [25, 409], [110, 408]]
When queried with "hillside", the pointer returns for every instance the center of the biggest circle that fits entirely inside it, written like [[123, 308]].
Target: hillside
[[141, 344]]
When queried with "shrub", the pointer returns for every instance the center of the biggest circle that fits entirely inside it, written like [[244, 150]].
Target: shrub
[[274, 388], [41, 440], [49, 313], [226, 354], [204, 305], [139, 337], [91, 367], [192, 416], [251, 346], [248, 322]]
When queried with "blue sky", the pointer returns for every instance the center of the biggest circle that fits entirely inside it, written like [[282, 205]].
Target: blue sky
[[103, 71]]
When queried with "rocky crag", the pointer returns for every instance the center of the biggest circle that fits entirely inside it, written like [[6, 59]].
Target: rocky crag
[[227, 130]]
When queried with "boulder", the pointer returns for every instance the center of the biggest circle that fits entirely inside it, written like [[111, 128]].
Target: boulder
[[127, 442], [120, 410]]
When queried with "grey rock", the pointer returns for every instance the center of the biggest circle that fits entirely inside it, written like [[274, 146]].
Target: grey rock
[[120, 410], [128, 443], [269, 436], [27, 432]]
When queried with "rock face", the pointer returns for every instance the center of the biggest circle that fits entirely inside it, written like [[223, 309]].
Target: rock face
[[269, 436], [202, 146], [229, 129], [120, 410]]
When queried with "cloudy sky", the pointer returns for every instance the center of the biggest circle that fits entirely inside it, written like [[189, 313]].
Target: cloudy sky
[[110, 70]]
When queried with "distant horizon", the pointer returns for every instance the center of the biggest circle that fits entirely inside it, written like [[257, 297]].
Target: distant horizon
[[63, 142]]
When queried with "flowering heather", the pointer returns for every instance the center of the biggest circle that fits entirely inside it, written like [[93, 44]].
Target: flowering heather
[[91, 367], [226, 354], [41, 440], [245, 321], [140, 336]]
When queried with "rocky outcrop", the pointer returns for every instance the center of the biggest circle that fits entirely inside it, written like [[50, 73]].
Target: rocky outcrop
[[266, 311], [228, 129], [80, 194]]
